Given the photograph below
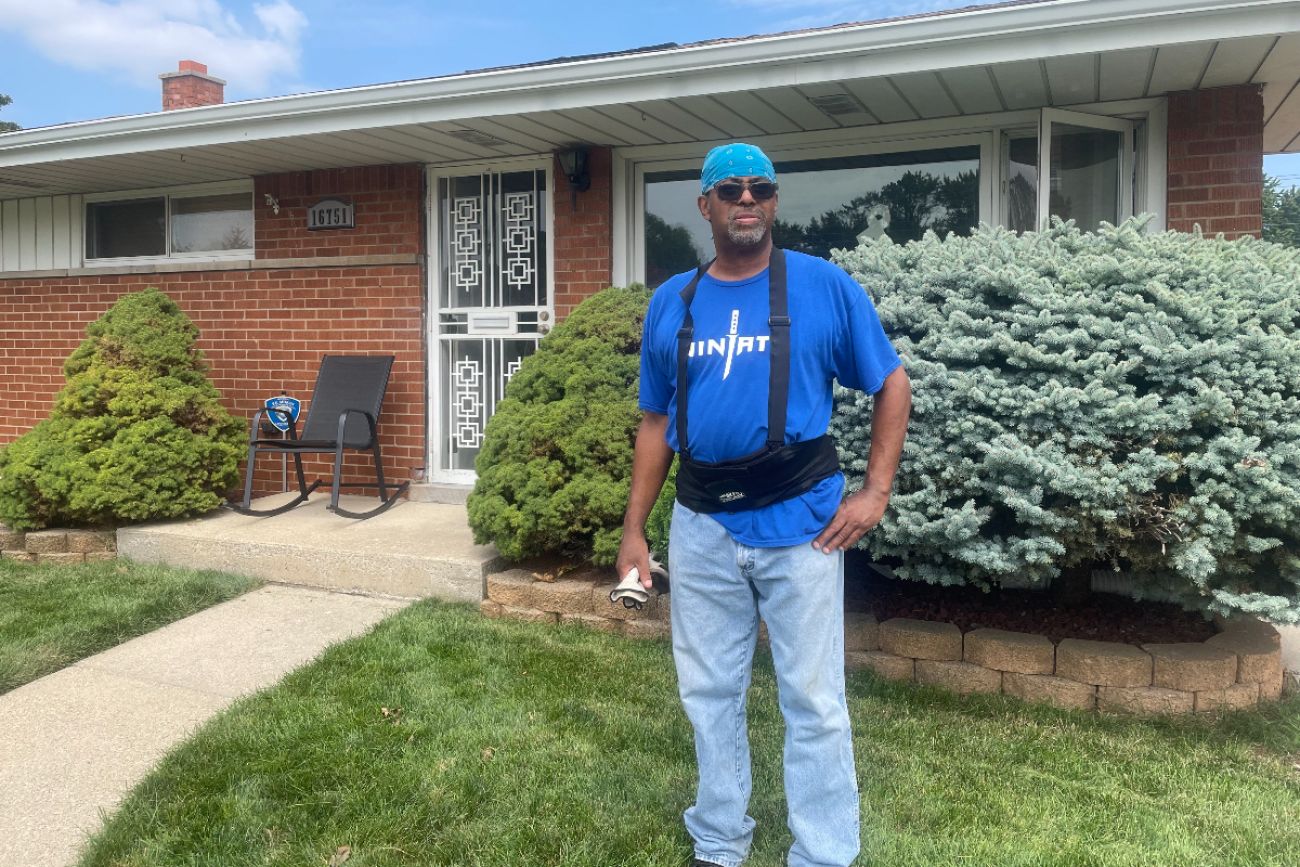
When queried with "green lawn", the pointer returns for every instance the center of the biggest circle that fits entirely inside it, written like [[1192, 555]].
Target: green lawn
[[443, 738], [54, 615]]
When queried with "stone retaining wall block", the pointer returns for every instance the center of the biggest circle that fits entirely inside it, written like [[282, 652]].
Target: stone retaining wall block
[[488, 608], [18, 556], [1235, 697], [86, 541], [964, 678], [99, 556], [646, 629], [1048, 689], [565, 596], [65, 558], [1192, 666], [861, 631], [1144, 700], [664, 610], [886, 665], [590, 621], [11, 539], [47, 542], [1259, 658], [921, 639], [1271, 689], [602, 607], [512, 587], [1103, 663], [1001, 650]]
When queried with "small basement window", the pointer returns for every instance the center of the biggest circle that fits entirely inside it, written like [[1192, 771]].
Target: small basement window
[[212, 224]]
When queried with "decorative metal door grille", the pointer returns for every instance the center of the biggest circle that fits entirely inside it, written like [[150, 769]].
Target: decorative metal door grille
[[493, 299]]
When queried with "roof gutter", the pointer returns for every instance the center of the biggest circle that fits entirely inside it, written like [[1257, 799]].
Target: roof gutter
[[973, 37]]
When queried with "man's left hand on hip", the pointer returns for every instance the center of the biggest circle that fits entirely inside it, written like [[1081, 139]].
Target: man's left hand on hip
[[856, 516]]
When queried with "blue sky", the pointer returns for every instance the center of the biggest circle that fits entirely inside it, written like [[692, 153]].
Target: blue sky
[[69, 60]]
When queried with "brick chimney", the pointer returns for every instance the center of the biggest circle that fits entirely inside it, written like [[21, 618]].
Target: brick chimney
[[191, 87]]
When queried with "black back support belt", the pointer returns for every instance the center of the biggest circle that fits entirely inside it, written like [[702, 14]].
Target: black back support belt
[[776, 471]]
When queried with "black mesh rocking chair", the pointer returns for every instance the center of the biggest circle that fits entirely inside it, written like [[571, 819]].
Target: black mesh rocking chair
[[343, 414]]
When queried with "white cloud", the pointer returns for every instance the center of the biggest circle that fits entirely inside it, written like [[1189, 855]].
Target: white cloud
[[138, 39]]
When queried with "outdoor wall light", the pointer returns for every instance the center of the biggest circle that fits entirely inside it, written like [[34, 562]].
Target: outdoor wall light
[[573, 162]]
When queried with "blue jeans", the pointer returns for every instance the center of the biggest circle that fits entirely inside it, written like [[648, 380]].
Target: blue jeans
[[720, 589]]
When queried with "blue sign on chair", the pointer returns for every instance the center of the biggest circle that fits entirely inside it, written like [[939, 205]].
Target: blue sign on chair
[[287, 404]]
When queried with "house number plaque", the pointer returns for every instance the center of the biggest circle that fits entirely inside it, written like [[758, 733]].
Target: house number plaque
[[331, 214]]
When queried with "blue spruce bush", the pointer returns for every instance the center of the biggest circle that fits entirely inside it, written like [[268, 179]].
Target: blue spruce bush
[[1113, 399]]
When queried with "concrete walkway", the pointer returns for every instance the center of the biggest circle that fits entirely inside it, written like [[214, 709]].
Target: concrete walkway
[[72, 744]]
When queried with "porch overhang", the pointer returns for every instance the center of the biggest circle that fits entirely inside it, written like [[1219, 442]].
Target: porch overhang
[[1026, 54]]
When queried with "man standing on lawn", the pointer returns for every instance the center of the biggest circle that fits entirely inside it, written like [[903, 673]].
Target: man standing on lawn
[[759, 528]]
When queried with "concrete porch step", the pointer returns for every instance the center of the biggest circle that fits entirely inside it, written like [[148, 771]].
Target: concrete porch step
[[438, 492], [412, 550]]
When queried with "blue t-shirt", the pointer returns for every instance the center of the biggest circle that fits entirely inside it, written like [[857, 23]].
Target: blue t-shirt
[[834, 334]]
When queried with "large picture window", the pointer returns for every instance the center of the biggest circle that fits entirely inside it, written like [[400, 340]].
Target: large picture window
[[899, 181], [825, 204], [211, 223]]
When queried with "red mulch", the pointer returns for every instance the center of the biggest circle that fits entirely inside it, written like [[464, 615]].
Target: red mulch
[[1103, 617]]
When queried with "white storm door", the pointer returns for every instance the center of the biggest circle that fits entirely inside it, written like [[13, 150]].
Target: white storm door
[[1088, 162], [492, 300]]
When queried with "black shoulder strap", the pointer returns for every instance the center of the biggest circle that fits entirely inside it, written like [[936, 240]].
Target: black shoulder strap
[[778, 384], [778, 324], [684, 337]]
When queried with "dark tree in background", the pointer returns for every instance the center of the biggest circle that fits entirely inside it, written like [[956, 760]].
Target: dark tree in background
[[7, 125], [673, 250], [1281, 213], [918, 202]]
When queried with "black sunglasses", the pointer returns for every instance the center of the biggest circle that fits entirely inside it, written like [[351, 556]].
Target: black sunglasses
[[731, 191]]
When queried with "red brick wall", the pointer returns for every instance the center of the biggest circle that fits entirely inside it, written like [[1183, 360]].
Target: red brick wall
[[583, 233], [263, 331], [1216, 160], [388, 202]]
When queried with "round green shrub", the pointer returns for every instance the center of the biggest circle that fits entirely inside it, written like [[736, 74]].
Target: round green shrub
[[138, 432], [556, 463], [1113, 399]]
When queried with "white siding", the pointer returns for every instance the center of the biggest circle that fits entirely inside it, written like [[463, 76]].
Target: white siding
[[40, 233]]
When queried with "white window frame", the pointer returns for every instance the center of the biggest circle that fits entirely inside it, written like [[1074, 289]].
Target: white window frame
[[632, 163], [1127, 154], [433, 372], [167, 194]]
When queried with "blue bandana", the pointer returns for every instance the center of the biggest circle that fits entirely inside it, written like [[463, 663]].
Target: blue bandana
[[735, 160]]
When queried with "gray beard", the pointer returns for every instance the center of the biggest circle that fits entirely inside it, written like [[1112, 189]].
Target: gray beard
[[750, 237]]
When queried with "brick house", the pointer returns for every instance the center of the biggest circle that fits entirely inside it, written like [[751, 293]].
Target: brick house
[[432, 219]]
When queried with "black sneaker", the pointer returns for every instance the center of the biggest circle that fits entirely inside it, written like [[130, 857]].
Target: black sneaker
[[701, 863]]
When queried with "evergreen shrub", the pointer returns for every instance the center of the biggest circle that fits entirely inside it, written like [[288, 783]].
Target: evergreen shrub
[[137, 432], [1111, 399], [556, 463]]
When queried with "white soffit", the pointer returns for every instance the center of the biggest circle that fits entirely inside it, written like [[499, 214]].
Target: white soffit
[[1020, 56], [1280, 73]]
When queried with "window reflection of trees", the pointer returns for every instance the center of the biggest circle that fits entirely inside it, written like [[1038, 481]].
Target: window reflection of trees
[[826, 204], [902, 210], [1022, 201], [670, 250]]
